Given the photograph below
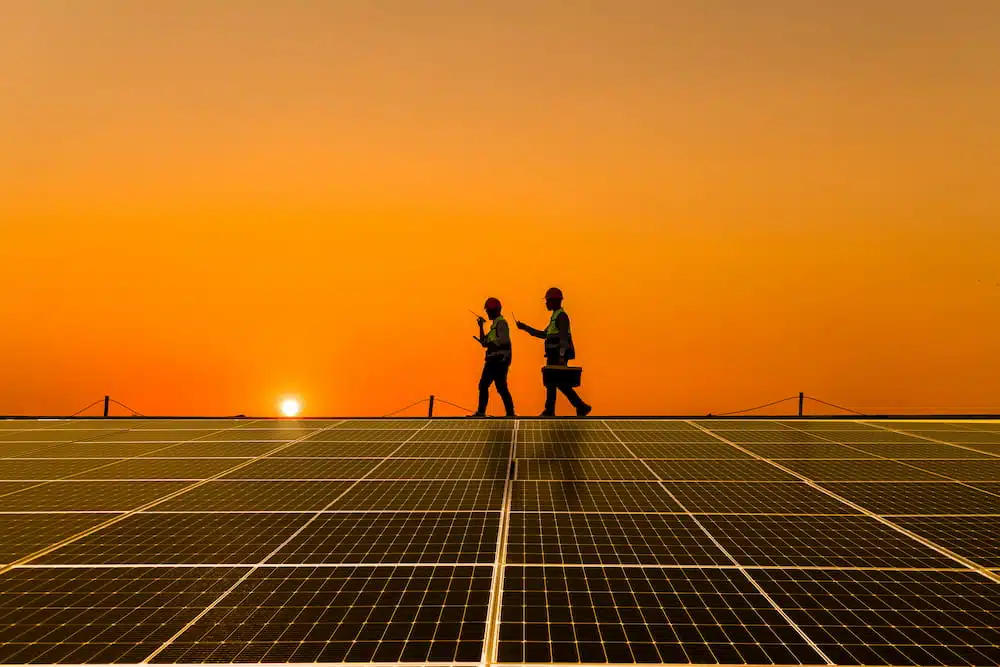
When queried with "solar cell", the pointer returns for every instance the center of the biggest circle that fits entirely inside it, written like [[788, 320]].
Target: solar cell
[[100, 615], [964, 437], [633, 615], [891, 616], [819, 541], [630, 437], [88, 496], [239, 496], [609, 539], [24, 534], [437, 450], [21, 449], [467, 435], [859, 470], [423, 495], [344, 614], [338, 449], [214, 450], [540, 496], [755, 497], [928, 450], [814, 450], [989, 487], [975, 537], [98, 450], [258, 435], [740, 425], [395, 537], [180, 539], [53, 436], [384, 424], [396, 468], [274, 468], [167, 435], [579, 437], [784, 436], [868, 437], [745, 471], [647, 424], [826, 425], [967, 470], [719, 450], [139, 469], [563, 450], [341, 434], [917, 497], [41, 469], [583, 469], [8, 488]]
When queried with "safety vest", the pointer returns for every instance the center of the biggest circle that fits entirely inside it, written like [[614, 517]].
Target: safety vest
[[552, 337], [493, 346]]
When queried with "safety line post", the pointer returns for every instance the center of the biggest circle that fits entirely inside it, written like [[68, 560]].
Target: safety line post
[[801, 396], [107, 400], [430, 406]]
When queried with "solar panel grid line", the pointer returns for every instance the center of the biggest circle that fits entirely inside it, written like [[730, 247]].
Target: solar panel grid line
[[152, 656], [69, 477], [491, 640], [941, 442], [742, 570], [882, 519], [121, 516]]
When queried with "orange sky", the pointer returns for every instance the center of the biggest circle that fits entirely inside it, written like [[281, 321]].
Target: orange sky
[[206, 205]]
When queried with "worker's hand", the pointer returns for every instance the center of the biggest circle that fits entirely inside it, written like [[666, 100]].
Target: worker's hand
[[481, 321], [520, 325]]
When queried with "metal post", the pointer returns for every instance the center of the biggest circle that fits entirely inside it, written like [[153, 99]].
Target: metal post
[[107, 400], [430, 407], [801, 396]]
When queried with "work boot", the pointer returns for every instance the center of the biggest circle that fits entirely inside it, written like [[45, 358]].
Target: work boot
[[476, 415], [583, 410], [546, 413]]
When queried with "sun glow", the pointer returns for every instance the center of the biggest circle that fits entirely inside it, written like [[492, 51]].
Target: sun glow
[[290, 407]]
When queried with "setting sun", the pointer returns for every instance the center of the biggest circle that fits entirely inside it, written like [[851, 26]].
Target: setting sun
[[290, 407]]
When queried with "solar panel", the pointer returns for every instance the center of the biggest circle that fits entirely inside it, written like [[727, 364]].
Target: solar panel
[[181, 539], [917, 497], [458, 538], [416, 541], [631, 615], [615, 539], [891, 616], [859, 470], [344, 614]]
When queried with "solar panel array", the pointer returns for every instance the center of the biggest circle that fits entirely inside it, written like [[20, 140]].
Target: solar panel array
[[500, 541]]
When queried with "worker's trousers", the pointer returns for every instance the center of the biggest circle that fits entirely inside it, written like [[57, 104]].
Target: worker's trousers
[[551, 392], [495, 372]]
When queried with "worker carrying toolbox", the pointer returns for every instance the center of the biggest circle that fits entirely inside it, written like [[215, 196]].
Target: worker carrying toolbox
[[498, 357], [557, 375]]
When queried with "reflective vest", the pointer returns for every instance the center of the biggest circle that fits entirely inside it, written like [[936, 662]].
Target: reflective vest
[[552, 337], [493, 346]]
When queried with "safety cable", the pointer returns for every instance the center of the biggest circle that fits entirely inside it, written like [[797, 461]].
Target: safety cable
[[759, 407]]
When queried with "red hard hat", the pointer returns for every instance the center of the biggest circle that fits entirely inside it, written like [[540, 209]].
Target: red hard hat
[[492, 303], [553, 293]]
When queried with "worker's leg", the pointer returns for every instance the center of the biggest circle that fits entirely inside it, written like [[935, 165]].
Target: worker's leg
[[550, 402], [485, 380], [500, 379], [574, 398]]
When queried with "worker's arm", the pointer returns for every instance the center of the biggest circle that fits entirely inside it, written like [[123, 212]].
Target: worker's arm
[[482, 334], [562, 322], [531, 330]]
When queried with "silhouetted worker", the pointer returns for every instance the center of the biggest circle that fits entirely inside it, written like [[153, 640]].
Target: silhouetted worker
[[559, 351], [498, 358]]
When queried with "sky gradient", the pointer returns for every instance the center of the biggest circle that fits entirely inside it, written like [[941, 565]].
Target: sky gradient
[[208, 205]]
